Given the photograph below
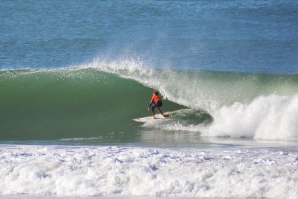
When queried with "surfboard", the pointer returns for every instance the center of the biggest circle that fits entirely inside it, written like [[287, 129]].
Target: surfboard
[[148, 119]]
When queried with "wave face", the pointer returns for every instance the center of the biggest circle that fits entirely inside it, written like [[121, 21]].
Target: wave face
[[71, 103]]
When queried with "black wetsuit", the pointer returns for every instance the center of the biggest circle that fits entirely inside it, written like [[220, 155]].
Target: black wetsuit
[[154, 105]]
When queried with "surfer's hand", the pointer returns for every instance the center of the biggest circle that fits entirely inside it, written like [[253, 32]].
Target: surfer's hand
[[148, 109]]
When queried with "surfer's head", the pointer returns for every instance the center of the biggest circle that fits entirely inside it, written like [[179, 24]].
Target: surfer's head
[[155, 92]]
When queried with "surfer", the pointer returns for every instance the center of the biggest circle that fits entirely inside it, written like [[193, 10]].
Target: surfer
[[155, 103]]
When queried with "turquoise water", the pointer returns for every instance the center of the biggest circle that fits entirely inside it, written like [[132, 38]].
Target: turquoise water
[[74, 74]]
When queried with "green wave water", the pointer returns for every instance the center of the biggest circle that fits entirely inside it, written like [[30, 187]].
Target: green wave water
[[58, 104]]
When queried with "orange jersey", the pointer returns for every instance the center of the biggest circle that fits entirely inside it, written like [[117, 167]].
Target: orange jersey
[[155, 98]]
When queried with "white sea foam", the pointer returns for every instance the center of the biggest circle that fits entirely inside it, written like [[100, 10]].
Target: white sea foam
[[121, 171], [272, 118]]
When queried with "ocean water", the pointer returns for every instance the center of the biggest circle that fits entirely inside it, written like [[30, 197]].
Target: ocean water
[[74, 75]]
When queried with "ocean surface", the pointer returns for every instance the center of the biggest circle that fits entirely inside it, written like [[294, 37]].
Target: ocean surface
[[74, 74]]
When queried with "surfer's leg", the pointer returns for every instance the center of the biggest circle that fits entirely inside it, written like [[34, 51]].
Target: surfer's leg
[[152, 108], [159, 110], [159, 104]]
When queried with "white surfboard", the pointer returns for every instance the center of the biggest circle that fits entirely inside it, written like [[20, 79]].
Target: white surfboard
[[150, 118]]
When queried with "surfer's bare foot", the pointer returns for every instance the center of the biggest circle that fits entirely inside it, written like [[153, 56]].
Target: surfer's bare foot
[[153, 117]]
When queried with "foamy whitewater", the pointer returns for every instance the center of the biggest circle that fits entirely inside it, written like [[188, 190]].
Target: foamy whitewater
[[96, 171], [74, 75], [259, 119]]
